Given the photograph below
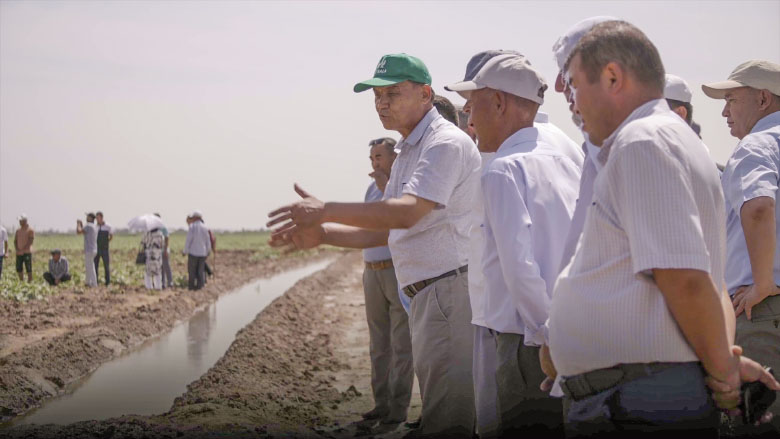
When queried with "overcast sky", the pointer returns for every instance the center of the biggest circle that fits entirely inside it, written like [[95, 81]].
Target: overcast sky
[[137, 106]]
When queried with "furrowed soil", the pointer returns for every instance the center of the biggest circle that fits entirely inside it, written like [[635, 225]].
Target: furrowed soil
[[300, 369]]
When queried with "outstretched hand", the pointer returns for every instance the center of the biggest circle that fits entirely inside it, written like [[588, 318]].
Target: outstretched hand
[[299, 238], [307, 212]]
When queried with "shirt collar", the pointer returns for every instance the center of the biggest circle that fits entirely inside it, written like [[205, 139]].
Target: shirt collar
[[418, 131], [655, 106], [524, 135], [542, 117], [766, 122]]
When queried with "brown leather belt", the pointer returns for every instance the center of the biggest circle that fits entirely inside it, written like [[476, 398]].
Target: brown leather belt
[[380, 265], [413, 289]]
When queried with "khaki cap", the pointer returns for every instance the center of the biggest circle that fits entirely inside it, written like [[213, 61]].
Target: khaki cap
[[758, 74], [510, 73]]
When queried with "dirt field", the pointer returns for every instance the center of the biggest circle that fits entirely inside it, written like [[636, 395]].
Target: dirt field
[[300, 369]]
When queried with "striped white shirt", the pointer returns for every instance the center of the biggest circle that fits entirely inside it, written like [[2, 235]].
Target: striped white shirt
[[657, 203]]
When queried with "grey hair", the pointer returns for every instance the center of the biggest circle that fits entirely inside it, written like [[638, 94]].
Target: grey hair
[[623, 43]]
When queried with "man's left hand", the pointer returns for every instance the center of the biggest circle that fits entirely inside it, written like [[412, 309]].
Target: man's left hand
[[304, 213], [545, 361], [748, 296]]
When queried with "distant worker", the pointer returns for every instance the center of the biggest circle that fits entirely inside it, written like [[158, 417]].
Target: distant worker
[[167, 275], [23, 241], [390, 344], [153, 244], [104, 236], [197, 248], [3, 248], [90, 248], [59, 269]]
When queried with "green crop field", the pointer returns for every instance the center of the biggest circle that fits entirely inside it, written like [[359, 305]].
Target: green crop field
[[124, 271]]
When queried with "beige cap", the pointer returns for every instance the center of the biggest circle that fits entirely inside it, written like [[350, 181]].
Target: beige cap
[[510, 73], [677, 89], [758, 74]]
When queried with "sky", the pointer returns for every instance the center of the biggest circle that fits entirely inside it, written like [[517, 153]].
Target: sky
[[132, 107]]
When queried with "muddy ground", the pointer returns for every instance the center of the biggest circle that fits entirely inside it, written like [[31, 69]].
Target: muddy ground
[[300, 369]]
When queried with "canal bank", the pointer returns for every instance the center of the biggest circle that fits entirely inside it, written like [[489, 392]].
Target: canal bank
[[49, 345]]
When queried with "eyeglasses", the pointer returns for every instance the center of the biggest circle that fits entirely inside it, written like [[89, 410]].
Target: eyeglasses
[[376, 142]]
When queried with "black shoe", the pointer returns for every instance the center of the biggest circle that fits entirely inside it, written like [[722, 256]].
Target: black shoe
[[414, 424], [376, 413]]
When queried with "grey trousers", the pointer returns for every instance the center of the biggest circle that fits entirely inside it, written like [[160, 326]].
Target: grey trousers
[[485, 389], [443, 348], [760, 341], [196, 271], [392, 373], [674, 400], [524, 408], [89, 266], [167, 276]]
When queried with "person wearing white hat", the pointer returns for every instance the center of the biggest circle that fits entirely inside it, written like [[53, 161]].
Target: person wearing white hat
[[529, 190], [197, 247], [90, 233], [750, 185], [23, 241], [639, 327], [678, 96]]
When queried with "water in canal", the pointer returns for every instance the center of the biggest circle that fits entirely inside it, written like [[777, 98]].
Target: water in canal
[[146, 380]]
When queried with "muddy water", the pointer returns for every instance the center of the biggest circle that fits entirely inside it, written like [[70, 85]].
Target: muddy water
[[146, 380]]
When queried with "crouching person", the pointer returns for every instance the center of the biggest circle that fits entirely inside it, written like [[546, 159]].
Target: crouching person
[[59, 270]]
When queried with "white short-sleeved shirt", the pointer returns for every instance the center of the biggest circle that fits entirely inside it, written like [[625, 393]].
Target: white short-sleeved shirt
[[530, 189], [90, 238], [3, 239], [752, 171], [657, 203], [375, 254], [440, 163]]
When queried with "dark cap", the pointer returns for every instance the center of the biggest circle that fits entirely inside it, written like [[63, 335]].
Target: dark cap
[[56, 251]]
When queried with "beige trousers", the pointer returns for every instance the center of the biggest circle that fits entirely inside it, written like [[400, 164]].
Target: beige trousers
[[390, 347], [442, 346]]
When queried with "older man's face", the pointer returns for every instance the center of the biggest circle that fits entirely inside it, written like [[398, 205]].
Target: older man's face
[[56, 257], [741, 110], [591, 102], [481, 105], [398, 105]]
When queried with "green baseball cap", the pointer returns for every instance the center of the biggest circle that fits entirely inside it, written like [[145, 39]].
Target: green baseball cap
[[396, 68]]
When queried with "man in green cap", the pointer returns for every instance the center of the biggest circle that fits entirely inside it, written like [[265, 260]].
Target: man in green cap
[[424, 218]]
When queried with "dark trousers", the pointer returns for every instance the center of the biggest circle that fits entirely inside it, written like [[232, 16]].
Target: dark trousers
[[24, 261], [1, 266], [50, 279], [524, 409], [674, 400], [196, 271], [103, 254]]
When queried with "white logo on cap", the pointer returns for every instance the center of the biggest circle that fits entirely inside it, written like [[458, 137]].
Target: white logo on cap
[[380, 68]]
